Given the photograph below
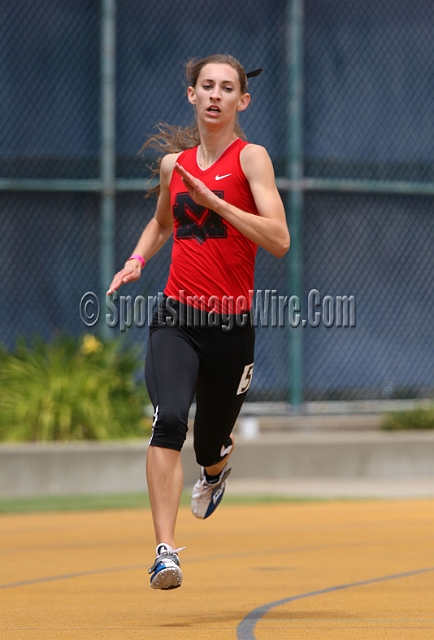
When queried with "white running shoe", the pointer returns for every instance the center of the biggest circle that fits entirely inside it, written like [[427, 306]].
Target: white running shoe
[[166, 572], [207, 496]]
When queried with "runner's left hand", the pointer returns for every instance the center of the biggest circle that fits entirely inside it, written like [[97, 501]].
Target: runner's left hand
[[197, 189]]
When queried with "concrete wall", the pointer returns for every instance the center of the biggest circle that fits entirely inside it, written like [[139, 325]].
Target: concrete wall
[[90, 468]]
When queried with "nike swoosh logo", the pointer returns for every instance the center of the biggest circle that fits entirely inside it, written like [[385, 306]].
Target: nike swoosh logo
[[225, 176], [224, 452]]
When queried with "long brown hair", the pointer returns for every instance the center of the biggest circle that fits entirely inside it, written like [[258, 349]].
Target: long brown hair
[[173, 139]]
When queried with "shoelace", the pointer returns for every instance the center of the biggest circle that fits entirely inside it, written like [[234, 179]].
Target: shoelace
[[175, 550]]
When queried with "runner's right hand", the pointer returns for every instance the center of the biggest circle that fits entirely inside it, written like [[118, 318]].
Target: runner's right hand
[[130, 273]]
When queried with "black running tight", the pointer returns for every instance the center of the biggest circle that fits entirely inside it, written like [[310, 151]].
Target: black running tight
[[214, 364]]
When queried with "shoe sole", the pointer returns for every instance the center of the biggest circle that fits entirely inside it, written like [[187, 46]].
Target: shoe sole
[[165, 579]]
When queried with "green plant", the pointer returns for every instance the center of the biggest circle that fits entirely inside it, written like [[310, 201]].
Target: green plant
[[71, 389], [419, 418]]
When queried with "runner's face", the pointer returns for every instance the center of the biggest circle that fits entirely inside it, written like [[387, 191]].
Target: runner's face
[[217, 94]]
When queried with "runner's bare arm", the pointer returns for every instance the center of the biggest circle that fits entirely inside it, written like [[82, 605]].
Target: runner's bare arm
[[268, 230], [156, 232]]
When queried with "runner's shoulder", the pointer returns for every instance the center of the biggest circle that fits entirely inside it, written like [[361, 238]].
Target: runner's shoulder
[[168, 161], [255, 159], [167, 165]]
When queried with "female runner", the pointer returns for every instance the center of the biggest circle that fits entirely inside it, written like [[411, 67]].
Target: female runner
[[218, 197]]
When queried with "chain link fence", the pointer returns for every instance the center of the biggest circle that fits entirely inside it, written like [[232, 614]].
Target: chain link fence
[[367, 224]]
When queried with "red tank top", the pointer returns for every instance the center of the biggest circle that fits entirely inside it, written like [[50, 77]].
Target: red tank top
[[213, 263]]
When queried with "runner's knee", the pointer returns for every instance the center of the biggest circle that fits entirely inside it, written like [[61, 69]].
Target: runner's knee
[[169, 429]]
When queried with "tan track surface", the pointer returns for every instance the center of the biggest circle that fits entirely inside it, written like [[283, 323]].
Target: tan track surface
[[241, 558]]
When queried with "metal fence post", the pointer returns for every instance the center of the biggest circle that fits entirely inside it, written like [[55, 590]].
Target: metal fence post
[[295, 198], [107, 150]]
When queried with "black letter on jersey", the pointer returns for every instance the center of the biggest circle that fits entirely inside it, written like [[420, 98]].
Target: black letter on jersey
[[196, 221]]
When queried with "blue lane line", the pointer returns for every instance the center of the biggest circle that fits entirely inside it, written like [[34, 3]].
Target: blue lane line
[[68, 576], [246, 628]]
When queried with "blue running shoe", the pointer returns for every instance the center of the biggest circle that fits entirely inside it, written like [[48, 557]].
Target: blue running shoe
[[207, 496], [166, 572]]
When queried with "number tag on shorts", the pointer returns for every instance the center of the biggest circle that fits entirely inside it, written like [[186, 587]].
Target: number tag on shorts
[[246, 379]]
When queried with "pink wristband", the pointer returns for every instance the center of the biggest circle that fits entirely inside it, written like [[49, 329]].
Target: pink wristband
[[139, 258]]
